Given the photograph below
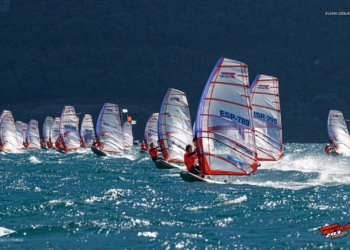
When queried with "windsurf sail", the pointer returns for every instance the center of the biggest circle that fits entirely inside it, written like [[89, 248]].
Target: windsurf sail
[[109, 129], [24, 129], [19, 134], [5, 231], [46, 128], [55, 130], [151, 130], [87, 132], [267, 121], [127, 135], [8, 133], [224, 126], [32, 134], [69, 131], [5, 113], [338, 132], [174, 126]]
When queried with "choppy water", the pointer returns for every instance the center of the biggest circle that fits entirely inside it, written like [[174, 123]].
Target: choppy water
[[83, 201]]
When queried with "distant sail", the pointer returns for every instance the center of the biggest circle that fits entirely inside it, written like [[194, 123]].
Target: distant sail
[[267, 121], [19, 134], [4, 113], [87, 132], [174, 126], [32, 134], [69, 129], [225, 135], [151, 130], [109, 129], [55, 130], [338, 132], [8, 133], [127, 135], [24, 129], [46, 128]]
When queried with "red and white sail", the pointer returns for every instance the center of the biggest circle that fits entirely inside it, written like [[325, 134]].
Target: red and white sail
[[267, 120], [127, 135], [87, 131], [46, 128], [8, 133], [32, 134], [338, 132], [109, 129], [19, 134], [5, 113], [69, 131], [224, 126], [174, 126], [55, 130], [151, 130]]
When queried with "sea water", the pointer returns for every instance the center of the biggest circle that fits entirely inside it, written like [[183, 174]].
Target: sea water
[[82, 201]]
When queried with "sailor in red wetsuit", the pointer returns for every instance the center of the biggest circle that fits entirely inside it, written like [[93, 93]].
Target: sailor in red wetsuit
[[190, 160], [25, 143], [328, 149], [143, 145], [41, 142], [153, 152]]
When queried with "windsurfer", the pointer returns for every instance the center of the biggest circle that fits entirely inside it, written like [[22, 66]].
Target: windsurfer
[[190, 160], [25, 143], [328, 149], [143, 145], [41, 142], [153, 152]]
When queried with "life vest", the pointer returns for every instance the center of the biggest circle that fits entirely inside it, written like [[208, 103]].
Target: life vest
[[327, 150], [153, 152], [143, 146], [189, 160]]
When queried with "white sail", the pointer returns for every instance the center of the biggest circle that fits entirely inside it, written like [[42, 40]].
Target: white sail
[[338, 132], [69, 131], [46, 128], [5, 113], [225, 135], [127, 135], [151, 130], [8, 133], [174, 126], [87, 132], [109, 129], [55, 130], [267, 120], [32, 134], [19, 134]]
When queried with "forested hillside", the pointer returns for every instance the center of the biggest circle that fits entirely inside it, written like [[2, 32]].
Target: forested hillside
[[137, 49]]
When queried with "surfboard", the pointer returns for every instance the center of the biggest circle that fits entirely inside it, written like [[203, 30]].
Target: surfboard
[[127, 135], [109, 130], [87, 131], [224, 126], [98, 152], [151, 130], [189, 177], [161, 164], [61, 151], [267, 122], [5, 231], [338, 132], [174, 126], [143, 151], [32, 135]]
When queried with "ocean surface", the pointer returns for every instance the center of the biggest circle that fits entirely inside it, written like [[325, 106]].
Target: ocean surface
[[81, 201]]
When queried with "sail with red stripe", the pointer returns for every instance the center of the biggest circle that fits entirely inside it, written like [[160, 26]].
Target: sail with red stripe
[[174, 126], [109, 129], [69, 130], [127, 135], [19, 134], [87, 132], [46, 128], [267, 121], [224, 126], [55, 130], [32, 134], [151, 130], [8, 133], [338, 132]]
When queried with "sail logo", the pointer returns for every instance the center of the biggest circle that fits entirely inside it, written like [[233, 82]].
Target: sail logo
[[70, 127], [111, 110], [235, 118], [175, 99], [335, 231], [266, 118], [228, 74], [110, 125], [88, 130], [263, 86]]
